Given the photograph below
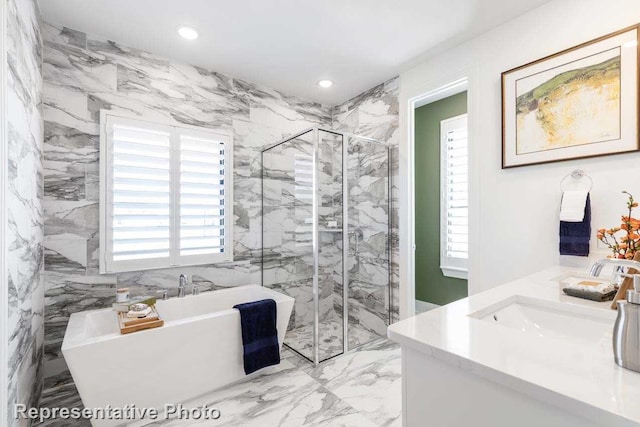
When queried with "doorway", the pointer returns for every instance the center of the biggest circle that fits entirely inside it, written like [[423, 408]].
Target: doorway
[[441, 206]]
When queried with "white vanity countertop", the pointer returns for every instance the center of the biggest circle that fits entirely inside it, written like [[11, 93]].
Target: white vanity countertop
[[576, 375]]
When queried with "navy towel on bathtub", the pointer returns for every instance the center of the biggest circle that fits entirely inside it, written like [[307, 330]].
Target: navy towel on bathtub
[[259, 334], [574, 236]]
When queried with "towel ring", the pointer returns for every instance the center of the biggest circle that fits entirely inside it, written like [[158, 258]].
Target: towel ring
[[576, 175]]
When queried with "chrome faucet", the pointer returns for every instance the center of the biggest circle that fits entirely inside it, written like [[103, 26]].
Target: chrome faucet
[[182, 286], [195, 288], [597, 267], [626, 330]]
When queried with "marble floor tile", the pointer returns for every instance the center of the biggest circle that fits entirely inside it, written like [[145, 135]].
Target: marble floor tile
[[331, 338], [368, 380], [358, 389], [288, 398]]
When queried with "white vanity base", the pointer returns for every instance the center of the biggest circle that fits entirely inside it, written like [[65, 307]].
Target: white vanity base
[[440, 394], [519, 355]]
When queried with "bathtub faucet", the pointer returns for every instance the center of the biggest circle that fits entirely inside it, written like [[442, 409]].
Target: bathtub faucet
[[182, 286]]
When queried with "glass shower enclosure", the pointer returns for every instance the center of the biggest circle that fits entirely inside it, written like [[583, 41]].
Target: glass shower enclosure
[[326, 238]]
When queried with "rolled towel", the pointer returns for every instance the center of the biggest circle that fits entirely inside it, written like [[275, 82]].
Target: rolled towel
[[139, 310], [572, 206]]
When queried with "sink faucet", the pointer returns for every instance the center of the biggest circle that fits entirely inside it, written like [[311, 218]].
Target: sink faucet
[[182, 286], [596, 268]]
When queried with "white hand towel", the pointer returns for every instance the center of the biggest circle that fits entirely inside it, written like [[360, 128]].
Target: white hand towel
[[140, 314], [572, 206]]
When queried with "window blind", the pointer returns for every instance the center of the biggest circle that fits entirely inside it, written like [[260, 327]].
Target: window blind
[[141, 197], [303, 173], [165, 195], [202, 195], [303, 195], [454, 240], [457, 198]]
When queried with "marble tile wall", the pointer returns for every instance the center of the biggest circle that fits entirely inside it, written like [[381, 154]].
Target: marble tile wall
[[373, 114], [288, 250], [330, 278], [24, 204], [288, 264], [84, 74], [369, 215]]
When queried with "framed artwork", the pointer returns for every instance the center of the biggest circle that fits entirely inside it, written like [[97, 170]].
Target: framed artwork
[[582, 102]]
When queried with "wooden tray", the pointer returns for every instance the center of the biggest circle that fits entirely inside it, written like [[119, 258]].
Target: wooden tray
[[128, 324]]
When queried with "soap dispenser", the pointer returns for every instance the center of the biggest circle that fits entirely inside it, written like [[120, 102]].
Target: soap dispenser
[[626, 331]]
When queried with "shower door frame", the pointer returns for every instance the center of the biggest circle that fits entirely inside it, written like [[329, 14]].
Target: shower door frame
[[315, 246]]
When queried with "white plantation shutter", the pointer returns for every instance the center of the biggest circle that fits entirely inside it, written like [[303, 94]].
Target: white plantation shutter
[[303, 176], [454, 242], [202, 195], [165, 195], [140, 192], [303, 173]]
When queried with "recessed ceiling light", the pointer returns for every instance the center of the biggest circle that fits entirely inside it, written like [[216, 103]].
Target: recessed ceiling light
[[188, 33], [325, 83]]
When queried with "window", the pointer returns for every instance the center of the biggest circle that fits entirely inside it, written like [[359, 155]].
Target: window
[[303, 176], [454, 206], [165, 195]]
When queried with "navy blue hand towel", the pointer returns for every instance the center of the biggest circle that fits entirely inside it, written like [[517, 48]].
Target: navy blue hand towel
[[574, 236], [259, 334]]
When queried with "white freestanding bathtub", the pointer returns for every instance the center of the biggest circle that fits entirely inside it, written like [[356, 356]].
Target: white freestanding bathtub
[[198, 349]]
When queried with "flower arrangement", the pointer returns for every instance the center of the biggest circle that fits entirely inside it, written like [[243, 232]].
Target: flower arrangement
[[625, 246]]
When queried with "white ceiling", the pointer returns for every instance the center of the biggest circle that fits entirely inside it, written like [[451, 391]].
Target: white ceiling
[[292, 44]]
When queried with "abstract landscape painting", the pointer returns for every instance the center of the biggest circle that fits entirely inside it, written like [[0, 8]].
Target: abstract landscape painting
[[582, 102], [573, 107]]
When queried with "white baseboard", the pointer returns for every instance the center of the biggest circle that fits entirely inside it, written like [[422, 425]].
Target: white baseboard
[[422, 306]]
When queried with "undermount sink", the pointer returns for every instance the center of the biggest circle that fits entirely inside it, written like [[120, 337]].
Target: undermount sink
[[549, 319]]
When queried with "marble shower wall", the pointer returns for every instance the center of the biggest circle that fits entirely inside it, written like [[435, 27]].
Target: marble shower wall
[[24, 204], [369, 214], [373, 114], [288, 250], [369, 166], [330, 271], [288, 232], [84, 74]]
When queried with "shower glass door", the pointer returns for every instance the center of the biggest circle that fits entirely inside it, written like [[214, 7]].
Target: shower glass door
[[288, 262], [368, 213], [325, 225], [330, 237]]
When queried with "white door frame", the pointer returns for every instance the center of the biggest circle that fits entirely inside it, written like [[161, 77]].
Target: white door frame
[[415, 92], [4, 283]]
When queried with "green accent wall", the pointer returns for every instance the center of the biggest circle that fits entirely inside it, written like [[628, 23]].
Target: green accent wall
[[431, 285]]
